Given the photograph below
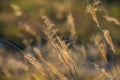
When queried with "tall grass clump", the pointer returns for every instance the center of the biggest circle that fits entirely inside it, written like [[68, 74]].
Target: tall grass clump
[[49, 52]]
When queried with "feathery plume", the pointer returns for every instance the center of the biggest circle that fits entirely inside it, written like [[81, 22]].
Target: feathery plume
[[109, 40]]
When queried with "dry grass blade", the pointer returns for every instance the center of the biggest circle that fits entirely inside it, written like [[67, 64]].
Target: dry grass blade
[[55, 71], [102, 53], [97, 39], [96, 2], [112, 19], [65, 55], [37, 51], [28, 29], [51, 68], [16, 9], [90, 9], [38, 65], [71, 23], [109, 40]]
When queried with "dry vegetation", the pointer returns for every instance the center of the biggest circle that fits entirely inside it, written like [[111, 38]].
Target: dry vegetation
[[55, 56]]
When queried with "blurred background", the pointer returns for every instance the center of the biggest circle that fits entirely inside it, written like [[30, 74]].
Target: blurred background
[[14, 14], [17, 15]]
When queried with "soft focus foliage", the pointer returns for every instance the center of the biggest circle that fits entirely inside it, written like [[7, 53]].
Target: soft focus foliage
[[59, 40]]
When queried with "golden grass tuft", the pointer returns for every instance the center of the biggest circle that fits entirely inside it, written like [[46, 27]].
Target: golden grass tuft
[[91, 10], [109, 40]]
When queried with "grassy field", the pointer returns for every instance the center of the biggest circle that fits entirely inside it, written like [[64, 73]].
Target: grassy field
[[59, 40]]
